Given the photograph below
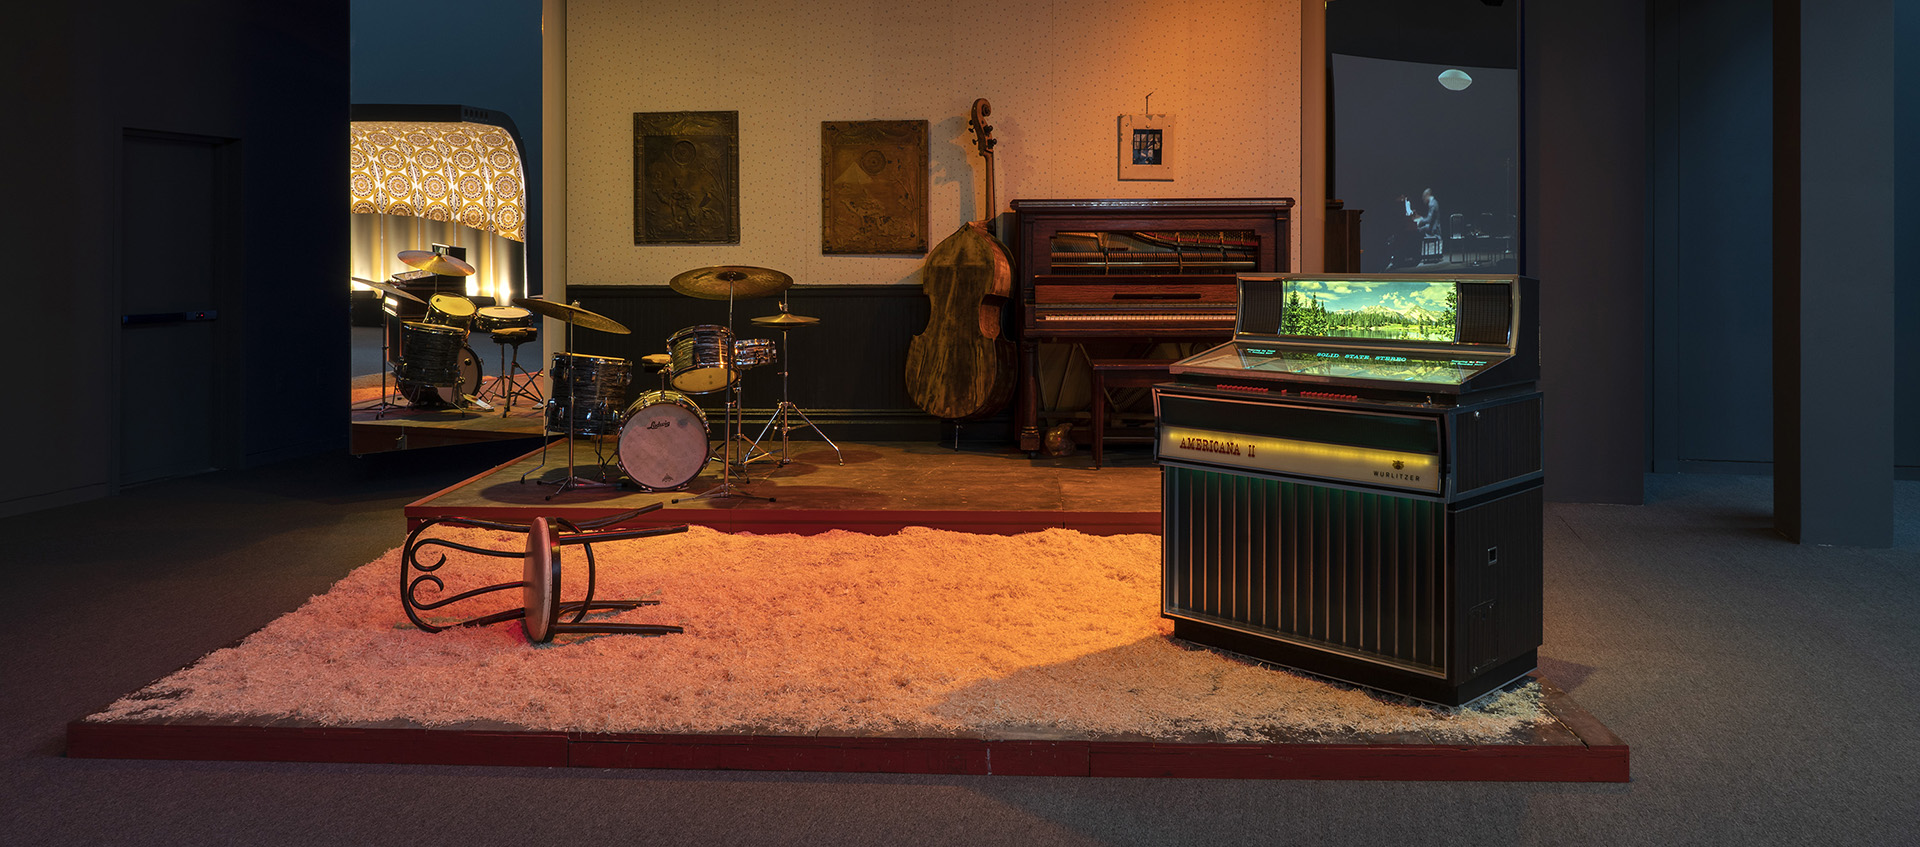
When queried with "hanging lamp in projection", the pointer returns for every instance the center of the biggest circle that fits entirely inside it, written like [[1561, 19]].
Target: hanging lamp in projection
[[456, 171]]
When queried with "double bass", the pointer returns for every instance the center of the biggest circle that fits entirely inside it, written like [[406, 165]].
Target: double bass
[[960, 368]]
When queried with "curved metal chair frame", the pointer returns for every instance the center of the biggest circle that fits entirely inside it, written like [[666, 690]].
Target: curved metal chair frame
[[541, 613]]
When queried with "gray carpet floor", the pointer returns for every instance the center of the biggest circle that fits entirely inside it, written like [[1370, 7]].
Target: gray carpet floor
[[1768, 691]]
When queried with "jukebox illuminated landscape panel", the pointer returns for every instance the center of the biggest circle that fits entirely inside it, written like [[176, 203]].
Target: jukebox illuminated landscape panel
[[1352, 485]]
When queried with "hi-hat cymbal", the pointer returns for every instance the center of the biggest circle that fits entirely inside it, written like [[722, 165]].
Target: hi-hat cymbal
[[439, 263], [784, 319], [573, 315], [737, 281], [388, 288]]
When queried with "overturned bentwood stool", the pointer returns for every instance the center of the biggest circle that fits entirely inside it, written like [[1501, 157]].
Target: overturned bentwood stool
[[541, 610]]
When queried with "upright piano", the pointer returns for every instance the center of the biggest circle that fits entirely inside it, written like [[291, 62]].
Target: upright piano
[[1127, 274]]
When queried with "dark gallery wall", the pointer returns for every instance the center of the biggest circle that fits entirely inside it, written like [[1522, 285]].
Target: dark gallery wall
[[1712, 240], [1585, 219], [263, 86], [1906, 234]]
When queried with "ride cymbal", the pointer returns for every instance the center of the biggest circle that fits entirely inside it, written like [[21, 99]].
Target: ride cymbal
[[784, 319], [739, 282], [439, 263], [387, 288], [573, 315]]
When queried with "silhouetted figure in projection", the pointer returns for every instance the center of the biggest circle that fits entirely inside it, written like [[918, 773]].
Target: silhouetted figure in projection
[[1429, 222], [1403, 243]]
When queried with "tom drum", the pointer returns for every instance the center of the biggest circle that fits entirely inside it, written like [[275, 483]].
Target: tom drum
[[430, 353], [450, 310], [702, 359], [754, 352], [586, 393]]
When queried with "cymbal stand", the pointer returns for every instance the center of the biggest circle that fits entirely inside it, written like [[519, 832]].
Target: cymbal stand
[[572, 480], [784, 412], [726, 487], [380, 407]]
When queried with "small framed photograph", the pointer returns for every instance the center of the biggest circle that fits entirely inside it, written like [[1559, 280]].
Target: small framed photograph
[[1149, 147]]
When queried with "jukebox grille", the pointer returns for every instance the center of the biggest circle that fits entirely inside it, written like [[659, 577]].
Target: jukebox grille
[[1353, 572]]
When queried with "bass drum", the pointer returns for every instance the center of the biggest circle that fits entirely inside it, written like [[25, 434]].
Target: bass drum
[[663, 440], [449, 396]]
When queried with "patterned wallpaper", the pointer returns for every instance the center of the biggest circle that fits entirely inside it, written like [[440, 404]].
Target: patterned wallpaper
[[442, 171], [1059, 73]]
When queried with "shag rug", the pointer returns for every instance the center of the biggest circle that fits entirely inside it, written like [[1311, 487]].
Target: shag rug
[[841, 633]]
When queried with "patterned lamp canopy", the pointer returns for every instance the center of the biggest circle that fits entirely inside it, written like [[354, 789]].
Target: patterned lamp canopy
[[467, 173]]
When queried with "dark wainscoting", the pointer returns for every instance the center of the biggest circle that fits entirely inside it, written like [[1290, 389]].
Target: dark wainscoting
[[848, 370]]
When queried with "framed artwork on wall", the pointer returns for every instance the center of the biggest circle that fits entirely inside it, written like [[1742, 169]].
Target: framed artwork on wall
[[873, 187], [1149, 147], [686, 178]]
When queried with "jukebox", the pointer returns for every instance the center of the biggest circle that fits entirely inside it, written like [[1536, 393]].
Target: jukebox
[[1352, 485]]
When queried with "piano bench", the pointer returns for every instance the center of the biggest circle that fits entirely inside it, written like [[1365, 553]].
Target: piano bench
[[1120, 373]]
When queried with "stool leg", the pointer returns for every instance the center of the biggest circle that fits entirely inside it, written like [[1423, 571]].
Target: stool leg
[[1099, 415]]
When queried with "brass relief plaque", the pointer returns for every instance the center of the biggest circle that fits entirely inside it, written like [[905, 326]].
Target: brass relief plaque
[[873, 187], [686, 174]]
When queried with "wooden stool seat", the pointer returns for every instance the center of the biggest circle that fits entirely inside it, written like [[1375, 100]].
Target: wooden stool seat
[[1120, 373]]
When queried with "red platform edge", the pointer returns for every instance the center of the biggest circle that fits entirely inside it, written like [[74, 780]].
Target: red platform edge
[[1597, 756]]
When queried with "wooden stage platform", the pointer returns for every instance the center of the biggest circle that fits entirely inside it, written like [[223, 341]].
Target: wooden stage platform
[[880, 488], [1570, 747]]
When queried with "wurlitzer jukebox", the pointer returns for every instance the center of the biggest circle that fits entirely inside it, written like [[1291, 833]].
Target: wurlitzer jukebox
[[1352, 485]]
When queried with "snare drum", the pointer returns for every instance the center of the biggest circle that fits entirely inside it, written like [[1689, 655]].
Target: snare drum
[[492, 318], [702, 359], [753, 352], [586, 393], [430, 353], [450, 310], [663, 440]]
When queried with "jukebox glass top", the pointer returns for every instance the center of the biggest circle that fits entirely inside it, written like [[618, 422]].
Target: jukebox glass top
[[1384, 309], [1256, 361]]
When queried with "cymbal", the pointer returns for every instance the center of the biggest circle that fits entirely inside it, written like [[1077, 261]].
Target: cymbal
[[736, 281], [573, 315], [387, 287], [784, 319], [439, 263]]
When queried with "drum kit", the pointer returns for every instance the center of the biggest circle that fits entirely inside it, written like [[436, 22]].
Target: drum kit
[[663, 436], [438, 368]]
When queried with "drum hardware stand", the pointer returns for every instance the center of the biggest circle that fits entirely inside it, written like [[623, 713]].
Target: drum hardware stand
[[541, 613], [726, 487], [572, 480], [783, 413], [380, 407], [385, 402], [519, 381]]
